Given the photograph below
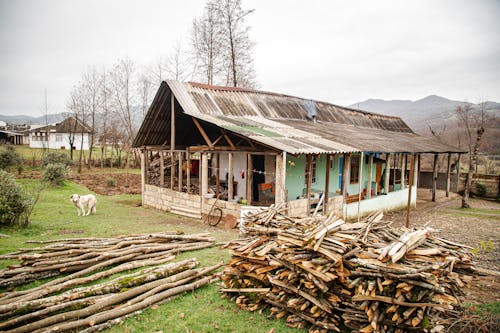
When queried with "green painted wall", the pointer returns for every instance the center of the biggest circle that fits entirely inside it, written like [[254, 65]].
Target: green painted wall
[[295, 181]]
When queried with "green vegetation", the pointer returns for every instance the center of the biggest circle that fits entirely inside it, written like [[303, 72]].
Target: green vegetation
[[14, 202], [55, 173], [484, 309], [200, 311], [56, 157], [9, 158]]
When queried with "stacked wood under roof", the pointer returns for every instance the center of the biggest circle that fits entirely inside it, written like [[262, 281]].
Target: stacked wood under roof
[[325, 273]]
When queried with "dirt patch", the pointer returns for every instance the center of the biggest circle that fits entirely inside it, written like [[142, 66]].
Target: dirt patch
[[109, 183], [478, 228]]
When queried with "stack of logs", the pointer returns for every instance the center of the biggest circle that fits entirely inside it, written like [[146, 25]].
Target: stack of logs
[[324, 273], [65, 304], [154, 174]]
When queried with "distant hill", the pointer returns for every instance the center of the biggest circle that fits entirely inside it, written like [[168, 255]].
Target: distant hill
[[23, 119], [436, 112]]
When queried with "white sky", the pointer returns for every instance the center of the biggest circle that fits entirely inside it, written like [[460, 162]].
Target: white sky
[[337, 51]]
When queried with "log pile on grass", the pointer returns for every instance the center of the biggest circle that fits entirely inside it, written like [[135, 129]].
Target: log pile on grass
[[324, 273], [68, 303]]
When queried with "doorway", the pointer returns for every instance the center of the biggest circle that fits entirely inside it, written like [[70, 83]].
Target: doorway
[[258, 175]]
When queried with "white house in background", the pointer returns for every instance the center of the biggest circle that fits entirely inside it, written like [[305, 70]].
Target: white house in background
[[61, 135]]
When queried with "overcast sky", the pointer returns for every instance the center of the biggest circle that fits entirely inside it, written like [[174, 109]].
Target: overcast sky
[[337, 51]]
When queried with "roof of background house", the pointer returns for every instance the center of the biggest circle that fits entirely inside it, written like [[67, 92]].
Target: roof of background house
[[68, 125], [285, 122]]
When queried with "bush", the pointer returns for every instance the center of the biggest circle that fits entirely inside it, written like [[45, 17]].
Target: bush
[[55, 173], [481, 189], [9, 157], [56, 158], [14, 203], [111, 182]]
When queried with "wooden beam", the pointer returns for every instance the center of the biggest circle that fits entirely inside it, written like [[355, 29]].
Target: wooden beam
[[418, 171], [434, 177], [146, 165], [162, 171], [143, 174], [458, 171], [172, 121], [217, 175], [403, 176], [370, 176], [360, 181], [202, 132], [172, 170], [217, 140], [308, 181], [327, 183], [188, 172], [249, 179], [228, 140], [387, 175], [410, 184], [279, 191], [345, 178], [448, 175], [204, 174], [230, 177], [179, 176], [394, 172]]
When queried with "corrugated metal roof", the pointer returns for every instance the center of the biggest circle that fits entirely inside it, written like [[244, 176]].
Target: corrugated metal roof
[[280, 121]]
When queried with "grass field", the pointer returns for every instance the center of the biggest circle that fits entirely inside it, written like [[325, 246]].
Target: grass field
[[200, 311]]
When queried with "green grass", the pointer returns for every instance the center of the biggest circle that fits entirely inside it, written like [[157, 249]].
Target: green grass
[[484, 309], [55, 217]]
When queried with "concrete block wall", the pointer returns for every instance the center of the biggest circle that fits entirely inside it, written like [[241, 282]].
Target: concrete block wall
[[166, 199]]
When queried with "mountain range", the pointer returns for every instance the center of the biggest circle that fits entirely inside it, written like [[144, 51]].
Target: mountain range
[[23, 119]]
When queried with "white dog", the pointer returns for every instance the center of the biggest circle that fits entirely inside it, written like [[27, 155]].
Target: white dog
[[81, 200]]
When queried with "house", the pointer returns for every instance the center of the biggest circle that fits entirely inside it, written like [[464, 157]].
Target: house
[[251, 147], [70, 131]]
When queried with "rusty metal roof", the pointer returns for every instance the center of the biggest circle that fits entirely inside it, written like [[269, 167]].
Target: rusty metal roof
[[281, 121]]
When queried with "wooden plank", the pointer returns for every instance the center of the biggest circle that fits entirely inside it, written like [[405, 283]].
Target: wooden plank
[[387, 172], [308, 181], [327, 183], [179, 174], [143, 174], [403, 176], [202, 132], [448, 175], [228, 140], [434, 177], [279, 192], [172, 170], [217, 174], [458, 172], [204, 174], [188, 171], [360, 181], [410, 184], [172, 122], [249, 179], [230, 177]]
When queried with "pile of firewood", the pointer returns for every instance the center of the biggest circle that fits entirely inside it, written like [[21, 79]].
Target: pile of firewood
[[69, 303], [324, 273]]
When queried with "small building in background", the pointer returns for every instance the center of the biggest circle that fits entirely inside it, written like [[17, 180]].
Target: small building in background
[[62, 135]]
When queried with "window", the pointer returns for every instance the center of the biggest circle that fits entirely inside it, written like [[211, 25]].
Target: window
[[354, 171], [58, 137]]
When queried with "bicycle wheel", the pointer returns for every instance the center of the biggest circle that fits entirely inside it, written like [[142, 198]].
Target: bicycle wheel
[[214, 217]]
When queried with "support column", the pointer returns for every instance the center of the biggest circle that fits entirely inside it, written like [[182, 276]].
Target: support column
[[360, 181], [172, 140], [418, 171], [308, 182], [387, 175], [370, 176], [204, 174], [448, 175], [230, 177], [279, 196], [345, 178], [403, 176], [434, 177], [458, 172], [217, 175], [410, 183], [143, 174], [327, 184], [188, 172], [172, 169], [180, 176], [249, 179], [162, 169]]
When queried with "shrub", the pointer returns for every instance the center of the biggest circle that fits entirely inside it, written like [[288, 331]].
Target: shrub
[[481, 189], [111, 182], [14, 203], [55, 173], [9, 157], [55, 158]]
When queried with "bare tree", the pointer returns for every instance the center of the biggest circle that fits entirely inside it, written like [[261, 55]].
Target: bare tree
[[104, 114], [237, 46], [206, 39], [92, 86], [144, 88], [78, 107], [473, 121]]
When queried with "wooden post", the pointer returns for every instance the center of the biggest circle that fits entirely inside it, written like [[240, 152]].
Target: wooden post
[[172, 170], [387, 175], [143, 174], [418, 171], [458, 171], [360, 181], [416, 167], [308, 182], [204, 174], [188, 171], [394, 172], [162, 167], [230, 183], [146, 165], [345, 178], [217, 175], [434, 177], [249, 179], [403, 176], [327, 184], [448, 175], [279, 191], [370, 176], [172, 122], [180, 176], [410, 183]]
